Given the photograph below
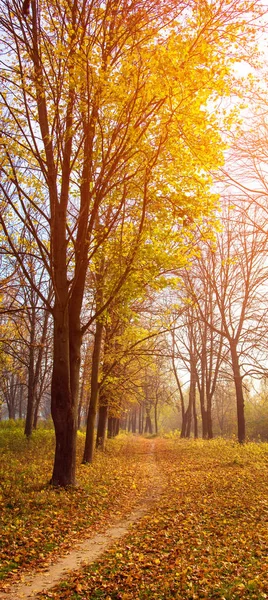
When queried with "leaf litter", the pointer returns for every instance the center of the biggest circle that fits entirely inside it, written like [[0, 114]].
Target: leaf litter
[[206, 536]]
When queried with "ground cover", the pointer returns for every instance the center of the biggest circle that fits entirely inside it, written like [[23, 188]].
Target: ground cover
[[206, 537], [39, 522]]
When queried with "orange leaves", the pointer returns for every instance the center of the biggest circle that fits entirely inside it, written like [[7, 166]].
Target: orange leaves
[[38, 520], [205, 537]]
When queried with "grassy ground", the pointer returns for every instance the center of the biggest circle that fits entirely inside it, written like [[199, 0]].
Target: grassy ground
[[206, 537]]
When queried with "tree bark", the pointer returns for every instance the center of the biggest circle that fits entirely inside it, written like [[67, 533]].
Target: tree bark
[[156, 417], [148, 423], [134, 420], [31, 379], [63, 407], [92, 409], [141, 412], [241, 426], [102, 424], [209, 417]]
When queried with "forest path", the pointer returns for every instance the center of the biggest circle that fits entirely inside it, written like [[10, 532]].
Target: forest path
[[90, 549]]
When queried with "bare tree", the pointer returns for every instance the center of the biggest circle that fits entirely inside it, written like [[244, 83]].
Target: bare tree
[[235, 276]]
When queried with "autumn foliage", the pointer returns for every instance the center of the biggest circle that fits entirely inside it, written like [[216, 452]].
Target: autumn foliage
[[205, 536]]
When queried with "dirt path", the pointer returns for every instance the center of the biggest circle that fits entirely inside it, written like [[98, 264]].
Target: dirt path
[[89, 550]]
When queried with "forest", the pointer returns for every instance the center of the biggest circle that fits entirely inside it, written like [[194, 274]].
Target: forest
[[133, 295], [133, 220]]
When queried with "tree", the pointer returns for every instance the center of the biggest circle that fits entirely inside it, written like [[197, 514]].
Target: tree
[[93, 96], [235, 274]]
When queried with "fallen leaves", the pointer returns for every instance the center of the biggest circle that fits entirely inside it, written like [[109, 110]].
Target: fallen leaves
[[206, 537], [38, 522]]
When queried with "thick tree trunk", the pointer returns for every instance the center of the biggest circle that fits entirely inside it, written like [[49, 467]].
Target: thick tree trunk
[[63, 407], [92, 409]]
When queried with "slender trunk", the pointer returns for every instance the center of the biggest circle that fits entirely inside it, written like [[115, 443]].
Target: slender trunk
[[179, 387], [113, 427], [204, 415], [134, 418], [209, 417], [129, 422], [11, 398], [184, 423], [82, 388], [189, 412], [21, 395], [195, 414], [110, 427], [92, 409], [102, 424], [148, 423], [36, 408], [11, 411], [31, 379], [155, 417], [141, 419], [116, 426], [189, 419], [241, 427]]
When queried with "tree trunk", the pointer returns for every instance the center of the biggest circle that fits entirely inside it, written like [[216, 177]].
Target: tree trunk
[[141, 419], [148, 423], [31, 379], [110, 427], [156, 417], [92, 409], [113, 427], [102, 424], [134, 419], [189, 419], [36, 408], [204, 415], [184, 422], [209, 417], [21, 396], [195, 414], [241, 426], [63, 408], [116, 426], [129, 422]]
